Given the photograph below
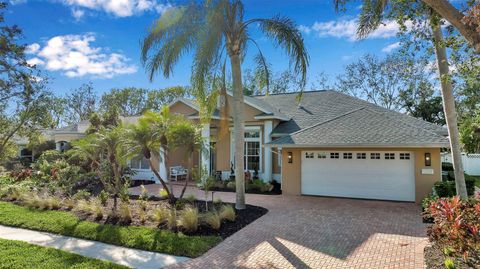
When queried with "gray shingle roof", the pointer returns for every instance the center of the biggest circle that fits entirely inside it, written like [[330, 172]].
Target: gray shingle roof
[[363, 127], [319, 106]]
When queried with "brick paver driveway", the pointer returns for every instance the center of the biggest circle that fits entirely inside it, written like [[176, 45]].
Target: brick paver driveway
[[318, 232]]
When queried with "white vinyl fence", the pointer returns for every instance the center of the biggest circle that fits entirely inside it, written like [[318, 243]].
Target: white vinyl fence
[[471, 162]]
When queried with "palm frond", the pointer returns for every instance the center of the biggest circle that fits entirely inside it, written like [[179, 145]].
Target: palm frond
[[262, 68], [286, 35], [370, 17], [171, 36]]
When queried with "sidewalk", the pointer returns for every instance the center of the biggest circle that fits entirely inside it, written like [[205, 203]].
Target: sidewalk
[[125, 256]]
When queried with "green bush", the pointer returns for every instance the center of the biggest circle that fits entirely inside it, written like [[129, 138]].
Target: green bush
[[447, 166], [231, 185], [448, 188], [188, 219], [66, 223]]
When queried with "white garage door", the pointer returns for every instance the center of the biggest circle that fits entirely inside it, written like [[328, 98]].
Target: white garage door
[[359, 174]]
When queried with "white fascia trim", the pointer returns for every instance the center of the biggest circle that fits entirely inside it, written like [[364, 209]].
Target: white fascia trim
[[270, 118], [182, 101], [427, 145]]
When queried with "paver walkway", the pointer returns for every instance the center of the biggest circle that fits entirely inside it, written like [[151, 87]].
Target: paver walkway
[[318, 232], [125, 256]]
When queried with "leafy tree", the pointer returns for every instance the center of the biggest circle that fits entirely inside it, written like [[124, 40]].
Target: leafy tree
[[215, 31], [80, 104], [128, 101], [24, 98], [156, 99], [394, 82], [282, 82], [470, 133], [426, 25]]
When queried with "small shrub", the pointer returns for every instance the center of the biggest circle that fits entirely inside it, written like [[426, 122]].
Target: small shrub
[[69, 203], [16, 194], [84, 206], [161, 215], [213, 220], [218, 201], [444, 188], [33, 202], [180, 204], [172, 218], [448, 251], [103, 196], [96, 209], [267, 187], [142, 205], [231, 185], [143, 193], [54, 203], [125, 213], [227, 213], [188, 219], [191, 198], [142, 214], [163, 193], [81, 195], [123, 194], [449, 263]]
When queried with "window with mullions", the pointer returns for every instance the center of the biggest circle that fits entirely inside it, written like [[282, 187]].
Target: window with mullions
[[139, 162], [375, 156], [334, 155], [361, 156]]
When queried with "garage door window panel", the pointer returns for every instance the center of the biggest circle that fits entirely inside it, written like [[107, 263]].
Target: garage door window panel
[[334, 155], [362, 156], [389, 156], [375, 156]]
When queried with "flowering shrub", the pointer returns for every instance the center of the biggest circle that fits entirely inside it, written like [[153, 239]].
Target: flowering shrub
[[456, 225]]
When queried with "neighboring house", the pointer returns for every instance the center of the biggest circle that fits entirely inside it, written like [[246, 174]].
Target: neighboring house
[[330, 144]]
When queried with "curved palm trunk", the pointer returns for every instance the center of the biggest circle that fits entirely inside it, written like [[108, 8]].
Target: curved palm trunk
[[155, 172], [239, 130], [450, 111]]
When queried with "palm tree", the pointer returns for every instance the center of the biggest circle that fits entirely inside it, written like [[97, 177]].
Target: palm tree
[[111, 144], [185, 135], [370, 19], [214, 31], [83, 149], [148, 137]]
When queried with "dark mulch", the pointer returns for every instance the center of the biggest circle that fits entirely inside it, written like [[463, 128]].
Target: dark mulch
[[273, 192], [435, 259], [243, 217]]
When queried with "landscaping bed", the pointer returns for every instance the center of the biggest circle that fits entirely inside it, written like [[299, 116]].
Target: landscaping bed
[[17, 254], [256, 186], [435, 259]]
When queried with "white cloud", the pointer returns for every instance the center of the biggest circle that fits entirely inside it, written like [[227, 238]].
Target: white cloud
[[348, 29], [75, 57], [304, 29], [120, 8], [35, 61], [391, 47], [32, 48], [78, 13]]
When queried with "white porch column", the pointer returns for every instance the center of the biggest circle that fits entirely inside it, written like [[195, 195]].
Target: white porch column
[[267, 170], [205, 158], [162, 167]]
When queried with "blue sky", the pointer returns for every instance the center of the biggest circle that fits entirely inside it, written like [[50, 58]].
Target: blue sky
[[77, 41]]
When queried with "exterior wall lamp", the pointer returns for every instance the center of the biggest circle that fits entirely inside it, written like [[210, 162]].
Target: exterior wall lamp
[[428, 159], [290, 157]]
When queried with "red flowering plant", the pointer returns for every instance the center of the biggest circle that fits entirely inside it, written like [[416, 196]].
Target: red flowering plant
[[457, 226]]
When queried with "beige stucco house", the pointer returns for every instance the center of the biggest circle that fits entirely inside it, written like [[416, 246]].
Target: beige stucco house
[[330, 144]]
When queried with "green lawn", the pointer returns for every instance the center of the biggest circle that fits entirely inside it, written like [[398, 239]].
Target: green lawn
[[16, 254], [477, 180], [67, 223]]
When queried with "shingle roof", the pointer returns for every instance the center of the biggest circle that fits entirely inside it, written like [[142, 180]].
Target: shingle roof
[[319, 106], [363, 127]]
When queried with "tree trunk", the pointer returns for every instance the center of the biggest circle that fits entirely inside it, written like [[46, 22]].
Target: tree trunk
[[238, 130], [170, 195], [449, 110], [447, 11], [186, 179]]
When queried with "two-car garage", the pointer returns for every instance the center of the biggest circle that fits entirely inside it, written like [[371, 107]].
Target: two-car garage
[[385, 175]]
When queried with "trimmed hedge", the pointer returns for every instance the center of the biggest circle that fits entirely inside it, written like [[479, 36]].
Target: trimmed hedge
[[448, 189]]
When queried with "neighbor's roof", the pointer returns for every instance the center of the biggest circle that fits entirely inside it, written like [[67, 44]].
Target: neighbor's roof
[[363, 127], [320, 106]]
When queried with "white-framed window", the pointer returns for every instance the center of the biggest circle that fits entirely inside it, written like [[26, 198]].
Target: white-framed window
[[389, 156], [334, 155], [375, 156], [139, 162], [322, 155], [361, 156], [309, 155], [404, 156], [253, 148], [347, 155]]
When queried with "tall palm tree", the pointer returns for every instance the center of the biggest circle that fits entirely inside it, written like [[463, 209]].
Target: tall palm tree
[[148, 137], [216, 30], [370, 19], [83, 149]]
